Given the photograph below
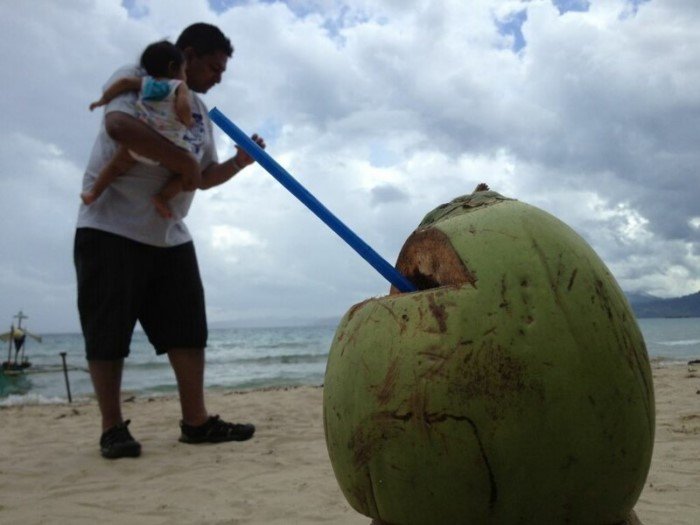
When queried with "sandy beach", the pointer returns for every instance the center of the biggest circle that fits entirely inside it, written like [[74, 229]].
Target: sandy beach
[[51, 470]]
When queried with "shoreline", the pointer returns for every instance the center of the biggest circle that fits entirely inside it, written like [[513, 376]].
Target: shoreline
[[31, 398], [52, 471]]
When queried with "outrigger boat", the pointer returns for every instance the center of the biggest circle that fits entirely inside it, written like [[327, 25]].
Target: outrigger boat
[[13, 372], [17, 338]]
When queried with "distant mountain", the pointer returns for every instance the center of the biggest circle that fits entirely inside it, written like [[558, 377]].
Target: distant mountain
[[644, 305], [649, 306], [641, 298]]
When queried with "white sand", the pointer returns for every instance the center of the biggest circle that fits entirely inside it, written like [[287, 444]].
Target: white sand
[[51, 470]]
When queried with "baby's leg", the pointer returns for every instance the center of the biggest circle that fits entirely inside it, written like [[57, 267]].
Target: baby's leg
[[121, 162], [160, 201]]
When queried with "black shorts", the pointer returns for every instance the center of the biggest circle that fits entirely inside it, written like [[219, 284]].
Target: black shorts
[[121, 281]]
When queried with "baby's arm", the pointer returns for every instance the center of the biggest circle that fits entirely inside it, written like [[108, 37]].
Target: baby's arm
[[120, 86], [183, 110]]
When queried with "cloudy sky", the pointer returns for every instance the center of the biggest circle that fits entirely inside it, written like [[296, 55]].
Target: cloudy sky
[[383, 109]]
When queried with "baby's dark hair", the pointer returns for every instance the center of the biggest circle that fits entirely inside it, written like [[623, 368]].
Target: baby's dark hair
[[162, 59]]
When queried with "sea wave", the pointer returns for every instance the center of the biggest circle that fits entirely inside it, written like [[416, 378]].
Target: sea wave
[[269, 382], [667, 361], [682, 342], [247, 345], [284, 359], [147, 365], [31, 398]]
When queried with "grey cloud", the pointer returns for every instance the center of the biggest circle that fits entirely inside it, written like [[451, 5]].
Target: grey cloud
[[387, 193]]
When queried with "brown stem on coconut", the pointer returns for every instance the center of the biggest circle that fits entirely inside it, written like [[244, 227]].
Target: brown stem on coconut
[[428, 258]]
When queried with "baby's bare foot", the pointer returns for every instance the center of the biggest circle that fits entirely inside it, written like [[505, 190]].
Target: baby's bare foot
[[88, 197], [162, 207]]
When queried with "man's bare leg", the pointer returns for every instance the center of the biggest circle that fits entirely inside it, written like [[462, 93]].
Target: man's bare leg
[[107, 382], [188, 365], [197, 426], [121, 162]]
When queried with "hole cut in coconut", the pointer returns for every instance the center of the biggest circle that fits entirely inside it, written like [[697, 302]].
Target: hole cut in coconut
[[428, 260]]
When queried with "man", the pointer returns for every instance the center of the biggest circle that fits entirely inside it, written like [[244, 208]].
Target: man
[[132, 264]]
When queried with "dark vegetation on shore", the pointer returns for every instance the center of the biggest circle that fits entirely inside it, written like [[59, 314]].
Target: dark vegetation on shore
[[650, 306]]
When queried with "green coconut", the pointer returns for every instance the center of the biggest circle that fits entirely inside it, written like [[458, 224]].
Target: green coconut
[[513, 388]]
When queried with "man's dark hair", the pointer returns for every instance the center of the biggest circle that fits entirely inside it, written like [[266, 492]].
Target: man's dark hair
[[162, 59], [204, 39]]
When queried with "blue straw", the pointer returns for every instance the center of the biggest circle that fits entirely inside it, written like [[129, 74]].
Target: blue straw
[[301, 193]]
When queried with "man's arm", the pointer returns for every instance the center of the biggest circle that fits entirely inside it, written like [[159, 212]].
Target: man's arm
[[139, 137], [218, 173]]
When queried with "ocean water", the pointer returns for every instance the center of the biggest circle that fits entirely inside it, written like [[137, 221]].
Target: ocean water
[[240, 358], [245, 358]]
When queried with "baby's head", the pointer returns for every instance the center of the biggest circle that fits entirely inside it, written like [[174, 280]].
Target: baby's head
[[163, 60]]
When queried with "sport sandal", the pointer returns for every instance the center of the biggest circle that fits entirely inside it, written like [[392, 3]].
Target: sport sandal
[[117, 442], [215, 430]]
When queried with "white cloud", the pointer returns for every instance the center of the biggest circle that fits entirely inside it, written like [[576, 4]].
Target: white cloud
[[383, 110], [229, 240]]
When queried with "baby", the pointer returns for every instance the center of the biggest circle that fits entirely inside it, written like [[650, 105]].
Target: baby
[[163, 104]]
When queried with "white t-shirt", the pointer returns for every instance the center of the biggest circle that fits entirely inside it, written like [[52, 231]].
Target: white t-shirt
[[125, 207], [160, 113]]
